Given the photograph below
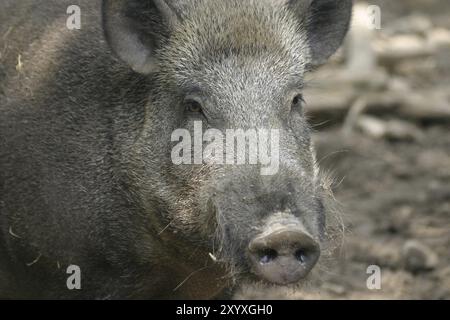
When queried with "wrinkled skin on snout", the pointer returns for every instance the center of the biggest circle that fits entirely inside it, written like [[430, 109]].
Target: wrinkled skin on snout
[[147, 227]]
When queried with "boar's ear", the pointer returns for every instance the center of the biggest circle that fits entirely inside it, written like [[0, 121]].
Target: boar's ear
[[326, 23], [133, 29]]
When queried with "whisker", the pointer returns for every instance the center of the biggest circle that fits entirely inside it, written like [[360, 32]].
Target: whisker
[[189, 277]]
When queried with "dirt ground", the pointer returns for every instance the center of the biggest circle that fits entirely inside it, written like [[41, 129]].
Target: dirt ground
[[393, 188], [392, 193]]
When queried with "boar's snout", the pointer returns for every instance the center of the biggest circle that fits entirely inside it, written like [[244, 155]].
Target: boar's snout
[[283, 254]]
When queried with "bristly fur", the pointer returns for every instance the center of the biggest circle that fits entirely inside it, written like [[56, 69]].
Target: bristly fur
[[86, 123]]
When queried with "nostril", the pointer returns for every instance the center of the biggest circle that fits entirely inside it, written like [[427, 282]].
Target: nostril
[[267, 256], [301, 255]]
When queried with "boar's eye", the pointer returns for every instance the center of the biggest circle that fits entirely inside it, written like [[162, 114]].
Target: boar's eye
[[297, 102], [193, 106]]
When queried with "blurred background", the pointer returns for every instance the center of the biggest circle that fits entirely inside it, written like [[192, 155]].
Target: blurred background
[[381, 111]]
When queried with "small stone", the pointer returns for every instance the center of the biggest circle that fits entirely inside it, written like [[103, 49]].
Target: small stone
[[392, 129], [418, 257], [439, 38], [335, 289], [372, 126], [399, 48], [439, 41], [417, 24]]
